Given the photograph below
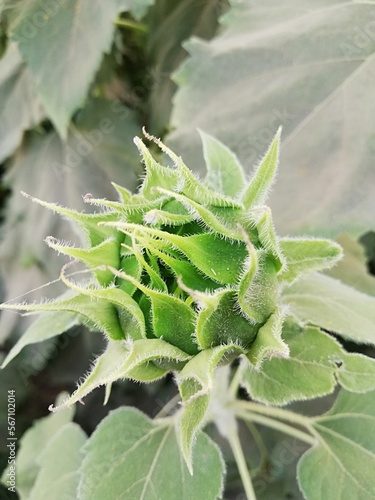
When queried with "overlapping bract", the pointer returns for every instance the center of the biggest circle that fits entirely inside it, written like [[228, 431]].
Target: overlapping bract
[[194, 264], [185, 275]]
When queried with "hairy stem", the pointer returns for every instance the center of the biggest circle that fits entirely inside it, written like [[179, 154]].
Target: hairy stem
[[275, 424], [127, 23], [236, 447], [273, 412], [168, 406], [235, 383]]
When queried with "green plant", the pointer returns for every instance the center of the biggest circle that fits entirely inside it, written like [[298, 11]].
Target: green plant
[[187, 277]]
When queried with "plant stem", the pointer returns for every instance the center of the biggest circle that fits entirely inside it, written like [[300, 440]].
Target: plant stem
[[258, 441], [236, 447], [270, 411], [127, 23], [169, 406], [233, 388], [275, 424]]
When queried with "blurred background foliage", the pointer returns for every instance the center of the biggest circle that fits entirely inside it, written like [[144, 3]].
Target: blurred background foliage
[[79, 79]]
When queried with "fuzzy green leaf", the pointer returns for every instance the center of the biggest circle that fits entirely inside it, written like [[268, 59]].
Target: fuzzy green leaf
[[357, 374], [352, 269], [20, 108], [293, 67], [343, 464], [184, 270], [226, 224], [131, 456], [219, 259], [261, 219], [307, 255], [189, 183], [315, 364], [258, 291], [326, 302], [106, 253], [224, 172], [77, 34], [156, 174], [59, 463], [268, 342], [219, 321], [257, 191], [142, 360], [32, 446], [46, 326], [88, 222], [102, 314], [195, 383], [172, 319]]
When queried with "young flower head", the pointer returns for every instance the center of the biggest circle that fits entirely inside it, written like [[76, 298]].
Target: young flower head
[[185, 274]]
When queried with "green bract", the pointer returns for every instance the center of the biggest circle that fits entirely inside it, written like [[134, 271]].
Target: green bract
[[185, 275]]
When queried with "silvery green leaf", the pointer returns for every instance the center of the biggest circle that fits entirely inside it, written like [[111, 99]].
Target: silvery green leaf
[[307, 255], [131, 456], [342, 464], [224, 172], [47, 325], [195, 383], [59, 464], [326, 302], [263, 178], [143, 360]]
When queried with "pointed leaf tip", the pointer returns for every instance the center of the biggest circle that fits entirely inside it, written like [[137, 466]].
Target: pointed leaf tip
[[257, 191]]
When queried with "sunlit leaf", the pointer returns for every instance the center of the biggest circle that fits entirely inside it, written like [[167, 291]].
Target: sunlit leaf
[[20, 108], [305, 67], [140, 458], [77, 36], [342, 464], [59, 462], [142, 360], [326, 302]]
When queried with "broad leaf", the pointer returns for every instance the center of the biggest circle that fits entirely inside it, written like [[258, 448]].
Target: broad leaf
[[140, 458], [326, 302], [315, 363], [76, 34], [304, 256], [59, 463], [342, 464], [32, 447], [352, 269], [44, 327], [293, 66], [20, 108], [138, 8], [175, 21], [61, 174]]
